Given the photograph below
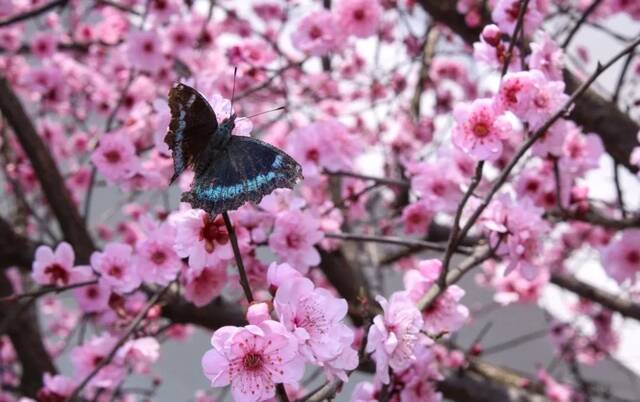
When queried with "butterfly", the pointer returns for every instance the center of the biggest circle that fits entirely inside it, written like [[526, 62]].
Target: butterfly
[[229, 169]]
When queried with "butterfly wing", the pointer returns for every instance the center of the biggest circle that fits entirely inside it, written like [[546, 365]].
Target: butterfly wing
[[246, 169], [193, 122]]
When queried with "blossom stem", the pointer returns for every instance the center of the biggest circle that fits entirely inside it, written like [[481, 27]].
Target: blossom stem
[[130, 330], [514, 37], [45, 290], [244, 281]]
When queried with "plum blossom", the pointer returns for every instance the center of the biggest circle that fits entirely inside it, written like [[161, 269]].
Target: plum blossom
[[116, 267], [360, 18], [200, 236], [364, 392], [294, 237], [547, 57], [436, 184], [420, 377], [445, 314], [155, 260], [253, 359], [621, 258], [205, 284], [317, 34], [139, 354], [55, 267], [56, 388], [144, 50], [505, 14], [393, 336], [86, 357], [315, 317], [115, 157], [581, 152], [480, 129], [416, 218]]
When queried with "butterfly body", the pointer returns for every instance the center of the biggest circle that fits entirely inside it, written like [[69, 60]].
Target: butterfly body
[[229, 170]]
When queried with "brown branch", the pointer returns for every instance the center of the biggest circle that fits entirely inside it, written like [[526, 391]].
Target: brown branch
[[15, 250], [594, 113], [399, 241], [613, 302], [33, 13], [24, 333], [53, 185]]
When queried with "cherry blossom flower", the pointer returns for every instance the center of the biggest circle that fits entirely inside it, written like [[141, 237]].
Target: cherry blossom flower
[[155, 260], [316, 34], [203, 285], [416, 218], [420, 377], [200, 236], [315, 317], [139, 354], [445, 314], [144, 50], [55, 268], [547, 57], [116, 268], [86, 357], [435, 184], [480, 129], [56, 388], [253, 359], [364, 392], [394, 335], [360, 18], [505, 14], [580, 152], [294, 237], [115, 157], [279, 274], [44, 45], [621, 258]]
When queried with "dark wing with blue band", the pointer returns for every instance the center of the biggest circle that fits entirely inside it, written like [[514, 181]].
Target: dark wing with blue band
[[246, 169], [193, 122]]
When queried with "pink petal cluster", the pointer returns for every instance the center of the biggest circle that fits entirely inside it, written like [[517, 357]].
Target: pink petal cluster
[[253, 359], [294, 237], [445, 314], [481, 129], [317, 34], [360, 18], [394, 334], [115, 157], [116, 268], [621, 258], [55, 267], [315, 317]]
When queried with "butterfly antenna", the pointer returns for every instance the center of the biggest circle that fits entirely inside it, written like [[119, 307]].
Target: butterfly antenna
[[233, 89], [266, 111]]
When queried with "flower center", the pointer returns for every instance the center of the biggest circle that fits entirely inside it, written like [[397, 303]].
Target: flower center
[[481, 130], [313, 155], [112, 156], [315, 32], [359, 14], [633, 257], [158, 257], [148, 47], [293, 240], [213, 232], [252, 361], [115, 271], [57, 272]]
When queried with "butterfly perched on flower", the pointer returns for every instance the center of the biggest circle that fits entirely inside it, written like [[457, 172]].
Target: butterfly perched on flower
[[229, 169]]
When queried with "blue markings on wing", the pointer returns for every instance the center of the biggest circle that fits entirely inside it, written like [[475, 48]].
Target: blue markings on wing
[[223, 193], [277, 162]]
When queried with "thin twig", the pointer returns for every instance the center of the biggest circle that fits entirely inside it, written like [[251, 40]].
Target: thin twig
[[45, 290], [381, 180], [581, 21], [397, 241], [524, 4], [244, 281], [33, 13]]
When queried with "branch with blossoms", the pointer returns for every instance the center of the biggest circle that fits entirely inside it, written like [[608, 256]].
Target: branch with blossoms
[[425, 162]]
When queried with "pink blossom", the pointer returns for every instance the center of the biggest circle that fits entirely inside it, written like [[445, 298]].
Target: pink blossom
[[364, 392], [316, 34], [420, 377], [445, 314], [279, 274], [205, 284], [480, 129], [253, 359], [621, 258], [581, 152], [394, 335], [144, 51], [323, 145], [56, 388], [115, 157], [93, 298], [156, 261], [436, 184], [139, 354], [294, 237], [315, 317], [86, 357], [505, 14], [116, 267], [547, 57], [416, 218], [554, 390], [44, 45], [256, 53], [360, 18], [200, 236], [54, 268]]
